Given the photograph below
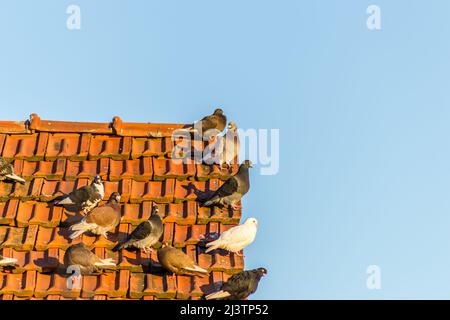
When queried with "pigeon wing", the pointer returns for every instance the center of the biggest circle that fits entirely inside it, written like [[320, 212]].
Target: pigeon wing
[[5, 167], [228, 188], [142, 231], [209, 122], [240, 285], [104, 216]]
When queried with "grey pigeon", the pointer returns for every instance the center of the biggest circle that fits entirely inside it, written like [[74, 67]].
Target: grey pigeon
[[86, 197], [211, 125], [101, 219], [7, 172], [80, 255], [231, 192], [146, 234], [7, 262], [177, 262], [240, 286], [236, 238]]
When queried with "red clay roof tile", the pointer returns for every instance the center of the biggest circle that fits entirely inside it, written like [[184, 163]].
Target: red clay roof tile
[[134, 159]]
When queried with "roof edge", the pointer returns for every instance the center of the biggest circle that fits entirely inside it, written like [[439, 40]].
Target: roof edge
[[116, 127]]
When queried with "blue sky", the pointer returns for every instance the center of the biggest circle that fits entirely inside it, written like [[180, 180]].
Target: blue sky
[[363, 118]]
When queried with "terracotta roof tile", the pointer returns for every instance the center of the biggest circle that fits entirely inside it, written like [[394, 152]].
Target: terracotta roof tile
[[134, 159], [139, 170]]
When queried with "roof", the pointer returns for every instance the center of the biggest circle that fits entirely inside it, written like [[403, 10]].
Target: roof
[[56, 157]]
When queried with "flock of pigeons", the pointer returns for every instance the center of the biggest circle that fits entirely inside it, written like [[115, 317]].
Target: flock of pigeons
[[100, 220]]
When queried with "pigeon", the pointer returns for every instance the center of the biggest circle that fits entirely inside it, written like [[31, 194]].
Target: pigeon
[[146, 234], [240, 286], [100, 220], [86, 197], [7, 172], [7, 262], [236, 238], [80, 255], [211, 125], [178, 262], [231, 192], [230, 146]]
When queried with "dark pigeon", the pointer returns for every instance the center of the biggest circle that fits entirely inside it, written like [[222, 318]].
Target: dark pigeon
[[240, 286], [146, 234], [231, 192]]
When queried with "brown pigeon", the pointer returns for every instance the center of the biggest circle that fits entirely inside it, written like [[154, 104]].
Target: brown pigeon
[[80, 255], [211, 125], [100, 220], [177, 262]]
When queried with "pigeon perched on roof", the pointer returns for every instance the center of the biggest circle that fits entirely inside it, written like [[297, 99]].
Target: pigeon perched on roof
[[240, 286], [80, 255], [7, 172], [146, 234], [236, 238], [211, 125], [7, 262], [101, 219], [178, 262], [231, 145], [231, 192], [86, 197]]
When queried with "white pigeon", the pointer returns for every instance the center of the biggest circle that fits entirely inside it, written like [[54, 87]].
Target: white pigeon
[[4, 261], [236, 238], [230, 146]]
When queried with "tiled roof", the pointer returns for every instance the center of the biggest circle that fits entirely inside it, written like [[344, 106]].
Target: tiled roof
[[134, 159]]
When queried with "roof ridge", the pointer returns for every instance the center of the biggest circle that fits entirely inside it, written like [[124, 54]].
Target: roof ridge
[[116, 127]]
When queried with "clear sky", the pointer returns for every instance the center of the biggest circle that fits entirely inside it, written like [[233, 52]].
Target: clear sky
[[363, 118]]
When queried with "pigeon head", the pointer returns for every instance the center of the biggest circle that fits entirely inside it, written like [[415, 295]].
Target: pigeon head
[[261, 271], [252, 221], [97, 180], [155, 210], [115, 196], [232, 126], [247, 164], [218, 111]]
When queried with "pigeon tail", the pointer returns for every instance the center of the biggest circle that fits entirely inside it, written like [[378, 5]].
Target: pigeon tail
[[15, 177], [7, 261], [218, 295], [118, 247], [105, 263], [197, 269], [211, 202], [213, 245], [81, 228], [66, 200]]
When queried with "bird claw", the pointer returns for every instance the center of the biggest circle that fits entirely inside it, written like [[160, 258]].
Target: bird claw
[[236, 207]]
